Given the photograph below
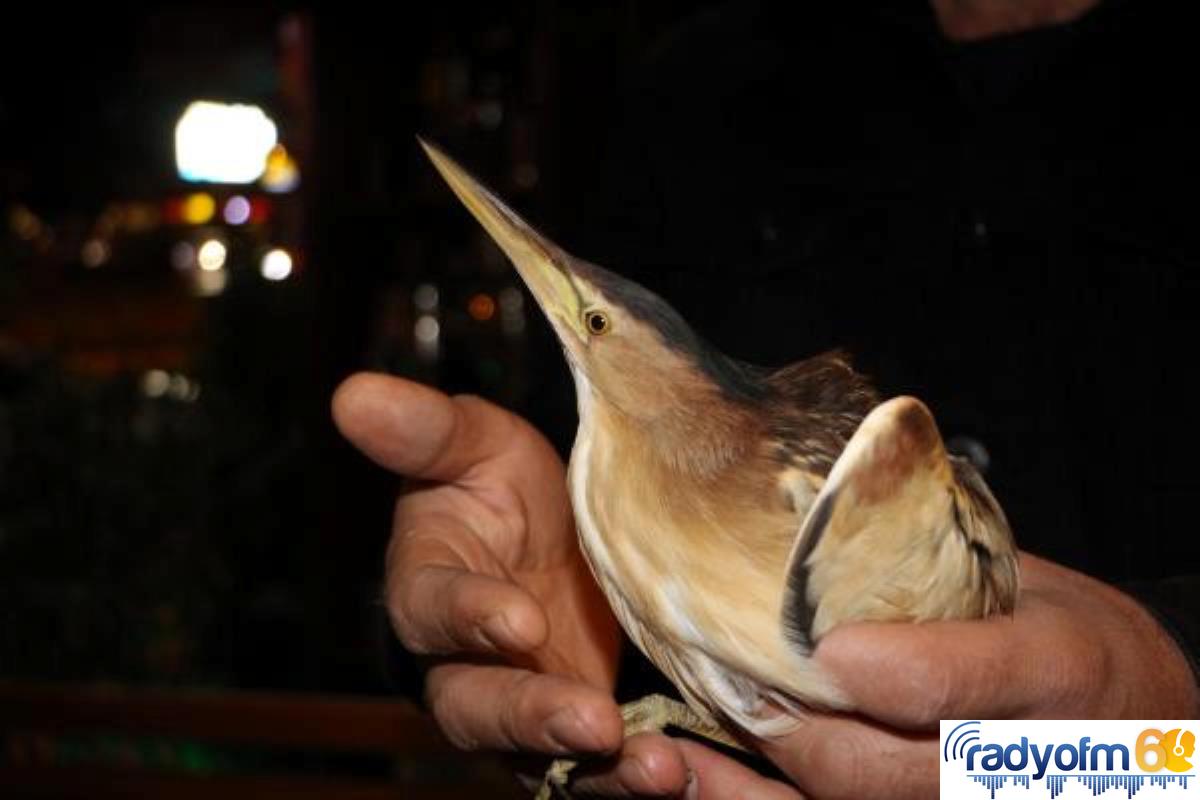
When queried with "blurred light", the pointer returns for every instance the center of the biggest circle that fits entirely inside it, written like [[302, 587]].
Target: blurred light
[[179, 387], [237, 210], [511, 300], [183, 256], [490, 114], [427, 333], [211, 255], [109, 221], [172, 212], [209, 283], [260, 210], [425, 297], [94, 253], [198, 208], [155, 383], [223, 143], [24, 223], [427, 329], [141, 217], [276, 265], [512, 311], [525, 175], [281, 173], [481, 307]]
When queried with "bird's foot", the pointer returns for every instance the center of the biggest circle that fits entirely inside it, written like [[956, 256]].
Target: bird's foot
[[554, 784], [652, 713], [656, 712]]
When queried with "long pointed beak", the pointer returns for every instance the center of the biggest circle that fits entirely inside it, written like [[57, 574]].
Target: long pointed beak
[[540, 262]]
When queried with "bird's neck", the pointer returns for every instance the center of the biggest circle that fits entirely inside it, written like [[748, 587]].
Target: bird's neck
[[697, 438]]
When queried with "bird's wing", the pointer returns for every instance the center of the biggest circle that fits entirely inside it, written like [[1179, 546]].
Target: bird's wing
[[899, 531]]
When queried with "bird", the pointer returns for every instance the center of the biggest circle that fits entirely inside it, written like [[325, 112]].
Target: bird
[[732, 514]]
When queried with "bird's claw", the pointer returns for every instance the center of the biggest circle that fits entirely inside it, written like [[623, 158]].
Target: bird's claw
[[652, 713]]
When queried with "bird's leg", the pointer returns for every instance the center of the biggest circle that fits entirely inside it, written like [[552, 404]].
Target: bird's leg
[[654, 712]]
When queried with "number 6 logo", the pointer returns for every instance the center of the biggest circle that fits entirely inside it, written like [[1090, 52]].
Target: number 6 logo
[[1171, 749]]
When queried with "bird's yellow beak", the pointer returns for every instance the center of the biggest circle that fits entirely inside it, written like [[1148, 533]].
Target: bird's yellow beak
[[541, 263]]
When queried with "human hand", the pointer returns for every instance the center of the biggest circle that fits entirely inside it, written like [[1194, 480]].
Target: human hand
[[1074, 649], [483, 567], [484, 571]]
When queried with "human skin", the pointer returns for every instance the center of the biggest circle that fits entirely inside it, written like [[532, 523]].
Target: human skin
[[484, 571], [968, 20]]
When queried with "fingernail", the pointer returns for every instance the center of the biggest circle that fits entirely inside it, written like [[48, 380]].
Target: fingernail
[[567, 730], [692, 790]]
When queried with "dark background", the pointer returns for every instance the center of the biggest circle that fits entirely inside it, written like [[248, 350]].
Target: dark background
[[1004, 228], [237, 531]]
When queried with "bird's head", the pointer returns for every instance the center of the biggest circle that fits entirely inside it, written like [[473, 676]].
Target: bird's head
[[626, 346]]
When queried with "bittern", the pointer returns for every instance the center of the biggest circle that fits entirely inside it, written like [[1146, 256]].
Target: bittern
[[733, 515]]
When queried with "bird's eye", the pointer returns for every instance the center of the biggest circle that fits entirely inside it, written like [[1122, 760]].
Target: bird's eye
[[597, 323]]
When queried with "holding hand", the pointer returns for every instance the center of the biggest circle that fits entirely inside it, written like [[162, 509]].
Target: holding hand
[[484, 571]]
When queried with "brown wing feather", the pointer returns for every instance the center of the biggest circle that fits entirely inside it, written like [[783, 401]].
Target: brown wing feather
[[898, 532], [815, 406]]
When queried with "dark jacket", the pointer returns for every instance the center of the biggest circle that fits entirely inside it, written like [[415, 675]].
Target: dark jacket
[[1005, 229]]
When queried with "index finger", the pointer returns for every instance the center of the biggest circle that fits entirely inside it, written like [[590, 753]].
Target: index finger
[[418, 431]]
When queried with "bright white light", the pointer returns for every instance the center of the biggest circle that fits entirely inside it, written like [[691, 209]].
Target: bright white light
[[211, 255], [276, 265], [427, 330], [223, 143], [237, 210], [427, 333], [155, 383]]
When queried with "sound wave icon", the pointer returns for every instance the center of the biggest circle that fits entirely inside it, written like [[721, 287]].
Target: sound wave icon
[[955, 746], [1097, 784]]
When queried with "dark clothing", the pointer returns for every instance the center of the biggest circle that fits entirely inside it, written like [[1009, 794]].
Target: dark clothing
[[1004, 228]]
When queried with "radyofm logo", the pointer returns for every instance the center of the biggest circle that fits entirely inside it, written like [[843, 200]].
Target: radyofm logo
[[1095, 755]]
